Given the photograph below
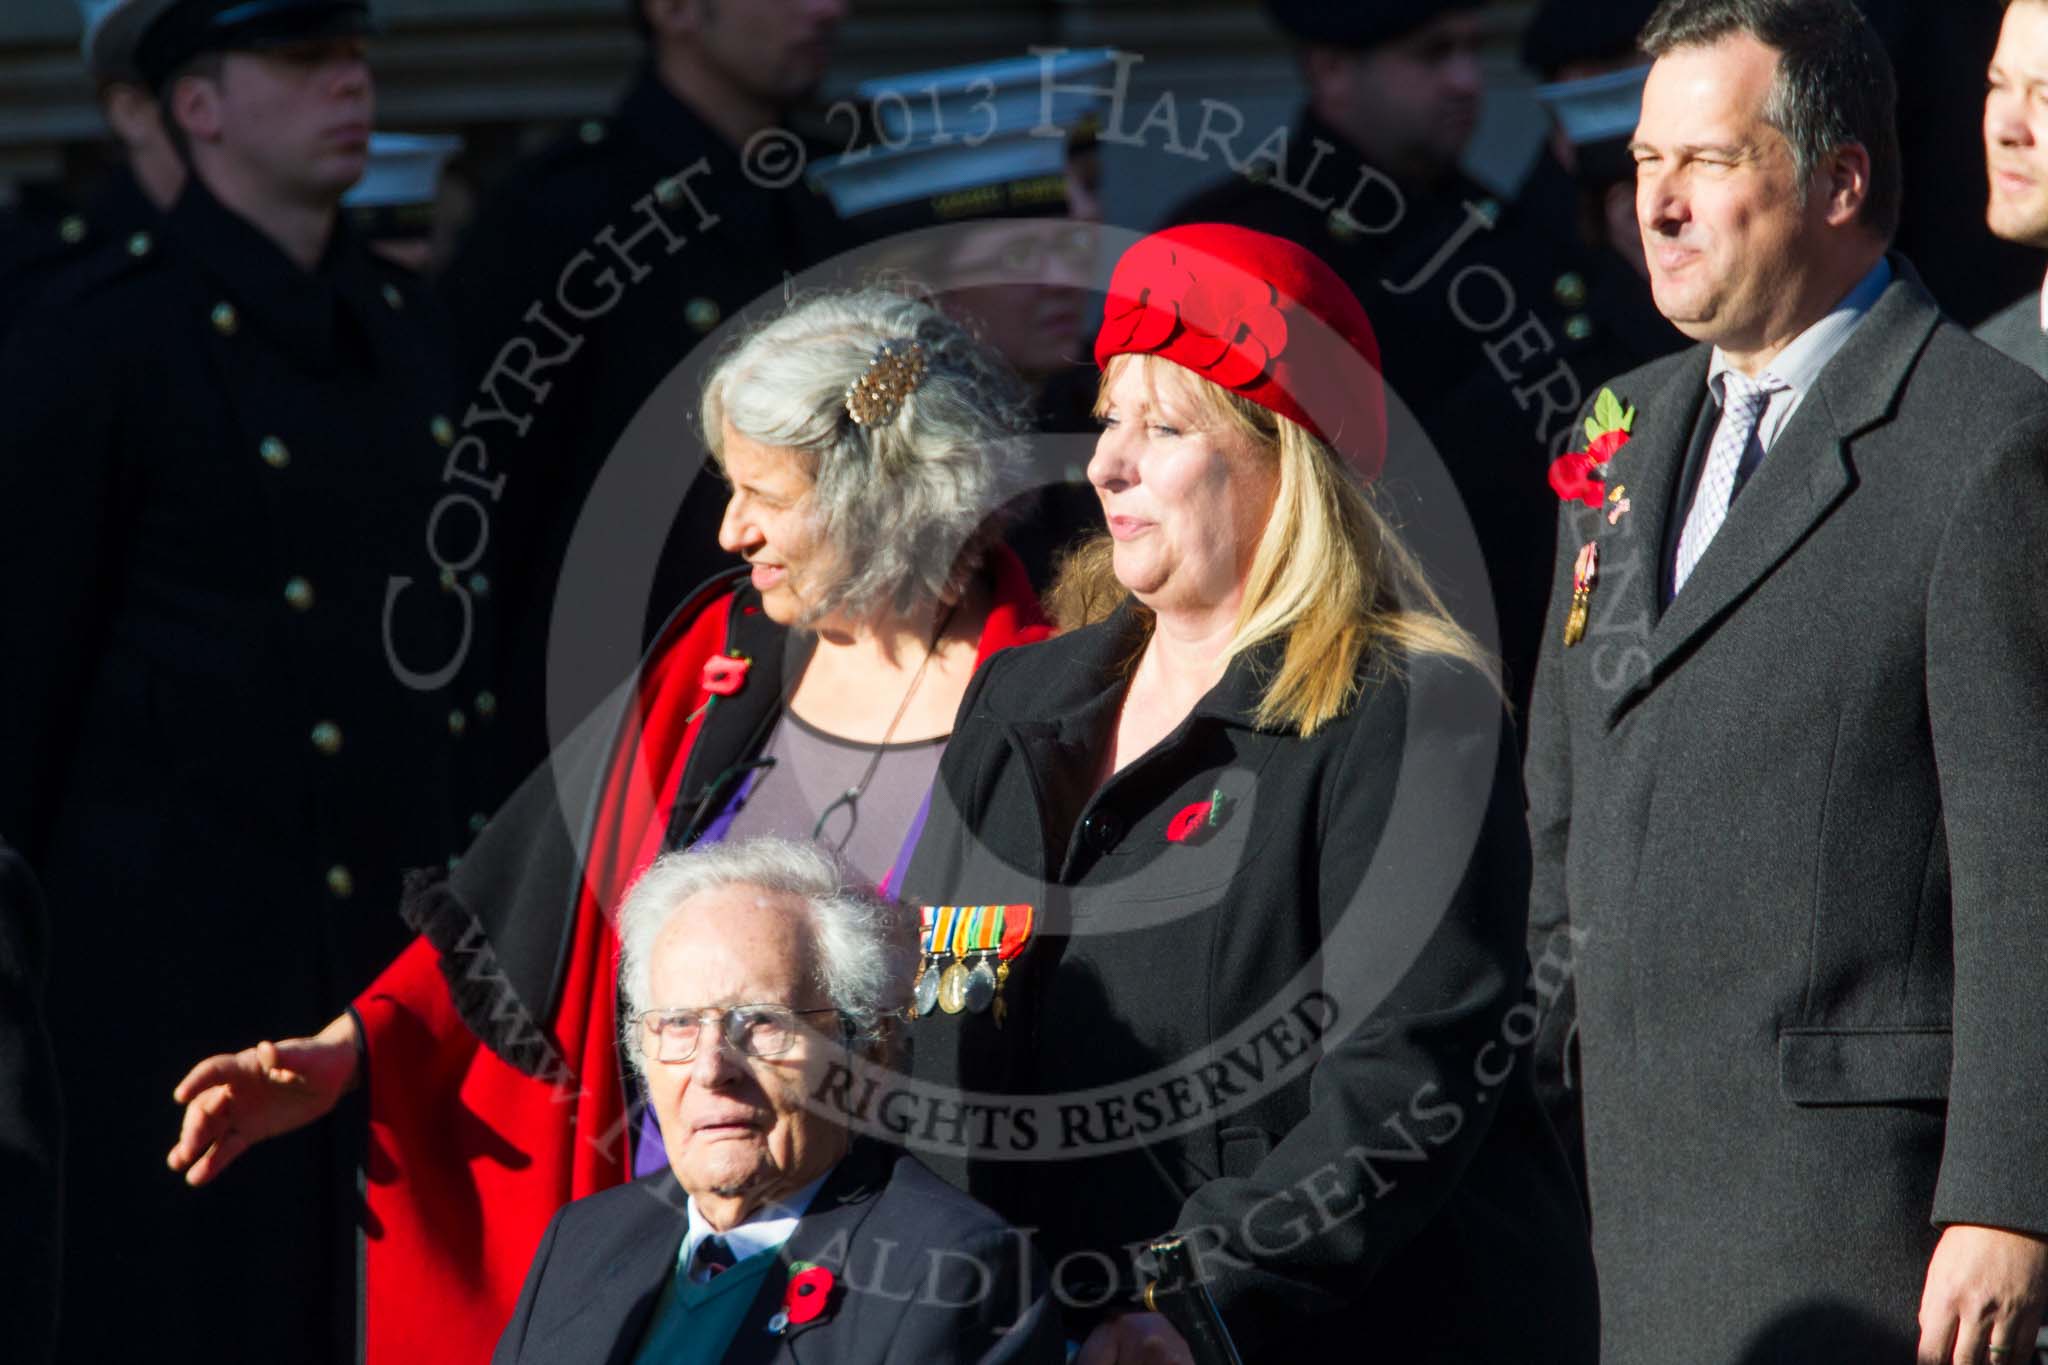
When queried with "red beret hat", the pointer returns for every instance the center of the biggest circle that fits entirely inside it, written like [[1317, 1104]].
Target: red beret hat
[[1261, 316]]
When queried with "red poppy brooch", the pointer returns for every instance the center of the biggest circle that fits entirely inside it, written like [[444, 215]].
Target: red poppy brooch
[[1581, 476], [808, 1292], [1192, 823]]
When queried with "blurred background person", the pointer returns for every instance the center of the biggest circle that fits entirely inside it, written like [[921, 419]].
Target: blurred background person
[[716, 73], [751, 973], [1150, 805], [222, 442], [866, 438], [133, 193], [31, 1124], [2016, 155]]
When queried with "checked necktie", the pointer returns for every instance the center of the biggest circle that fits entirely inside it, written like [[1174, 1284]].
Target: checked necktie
[[1743, 401]]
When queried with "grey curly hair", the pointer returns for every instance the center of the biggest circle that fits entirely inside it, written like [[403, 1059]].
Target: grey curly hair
[[865, 948], [900, 501]]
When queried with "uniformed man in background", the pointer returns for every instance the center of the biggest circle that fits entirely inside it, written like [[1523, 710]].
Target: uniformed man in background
[[229, 706], [35, 248], [1478, 307], [556, 355]]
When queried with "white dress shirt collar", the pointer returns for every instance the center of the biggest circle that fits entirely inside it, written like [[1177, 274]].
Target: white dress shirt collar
[[766, 1228], [1800, 363]]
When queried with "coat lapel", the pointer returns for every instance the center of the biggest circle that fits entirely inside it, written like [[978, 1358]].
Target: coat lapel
[[1806, 474], [825, 1236]]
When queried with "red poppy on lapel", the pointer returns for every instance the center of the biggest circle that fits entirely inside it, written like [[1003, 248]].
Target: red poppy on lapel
[[1190, 822], [1579, 475], [807, 1294], [724, 674]]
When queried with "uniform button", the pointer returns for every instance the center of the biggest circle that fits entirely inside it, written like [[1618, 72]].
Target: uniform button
[[457, 722], [327, 738], [225, 319], [139, 244], [274, 452], [1570, 289], [1489, 209], [72, 230], [477, 822], [1342, 226], [443, 429], [392, 298], [298, 593], [1259, 172], [1578, 327], [447, 580], [486, 704], [340, 883], [701, 313], [667, 191], [1102, 830], [480, 584], [591, 131]]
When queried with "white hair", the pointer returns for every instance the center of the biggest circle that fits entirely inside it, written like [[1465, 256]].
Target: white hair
[[899, 501], [864, 948]]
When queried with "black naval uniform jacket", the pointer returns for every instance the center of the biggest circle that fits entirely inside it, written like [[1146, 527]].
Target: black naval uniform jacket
[[643, 179], [36, 249], [1305, 1014], [213, 468], [1487, 334]]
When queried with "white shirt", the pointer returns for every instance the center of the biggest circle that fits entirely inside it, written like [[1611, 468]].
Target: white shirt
[[2044, 305], [766, 1228], [1799, 365]]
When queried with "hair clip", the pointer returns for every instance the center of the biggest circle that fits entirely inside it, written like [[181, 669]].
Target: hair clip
[[892, 376]]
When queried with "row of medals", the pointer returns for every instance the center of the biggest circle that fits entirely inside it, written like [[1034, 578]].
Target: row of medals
[[958, 987]]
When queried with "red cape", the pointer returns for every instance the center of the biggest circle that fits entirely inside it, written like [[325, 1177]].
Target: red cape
[[469, 1157]]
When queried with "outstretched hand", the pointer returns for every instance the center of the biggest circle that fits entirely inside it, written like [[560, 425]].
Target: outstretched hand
[[235, 1100]]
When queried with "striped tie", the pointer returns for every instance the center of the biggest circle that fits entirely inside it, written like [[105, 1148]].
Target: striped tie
[[1743, 401]]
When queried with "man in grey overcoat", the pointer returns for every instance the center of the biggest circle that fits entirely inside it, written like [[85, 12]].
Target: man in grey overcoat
[[2016, 163], [1788, 760]]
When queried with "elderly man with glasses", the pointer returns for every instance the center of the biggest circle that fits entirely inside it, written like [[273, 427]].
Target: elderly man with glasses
[[748, 972]]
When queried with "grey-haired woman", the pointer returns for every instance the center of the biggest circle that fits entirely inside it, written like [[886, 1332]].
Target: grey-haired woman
[[866, 438]]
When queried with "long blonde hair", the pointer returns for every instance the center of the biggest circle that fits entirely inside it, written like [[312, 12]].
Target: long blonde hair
[[1330, 577]]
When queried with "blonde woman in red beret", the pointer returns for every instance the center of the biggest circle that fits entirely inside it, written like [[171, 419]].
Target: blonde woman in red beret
[[1225, 888]]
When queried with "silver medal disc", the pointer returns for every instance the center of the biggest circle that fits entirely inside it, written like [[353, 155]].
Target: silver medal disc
[[927, 997], [981, 986]]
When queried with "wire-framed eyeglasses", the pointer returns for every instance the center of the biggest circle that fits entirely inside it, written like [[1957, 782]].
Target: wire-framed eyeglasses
[[750, 1030]]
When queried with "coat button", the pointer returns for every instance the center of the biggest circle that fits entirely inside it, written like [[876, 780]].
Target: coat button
[[477, 822], [1102, 830], [340, 883], [298, 593], [71, 230], [448, 580], [274, 452], [443, 429], [225, 319], [392, 298], [487, 704], [480, 584], [701, 313], [592, 131], [457, 722], [139, 244], [327, 738], [1342, 225], [1578, 327], [1570, 289]]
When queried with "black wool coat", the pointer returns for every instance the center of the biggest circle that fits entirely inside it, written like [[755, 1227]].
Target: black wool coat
[[1297, 1035], [1790, 835], [213, 467]]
